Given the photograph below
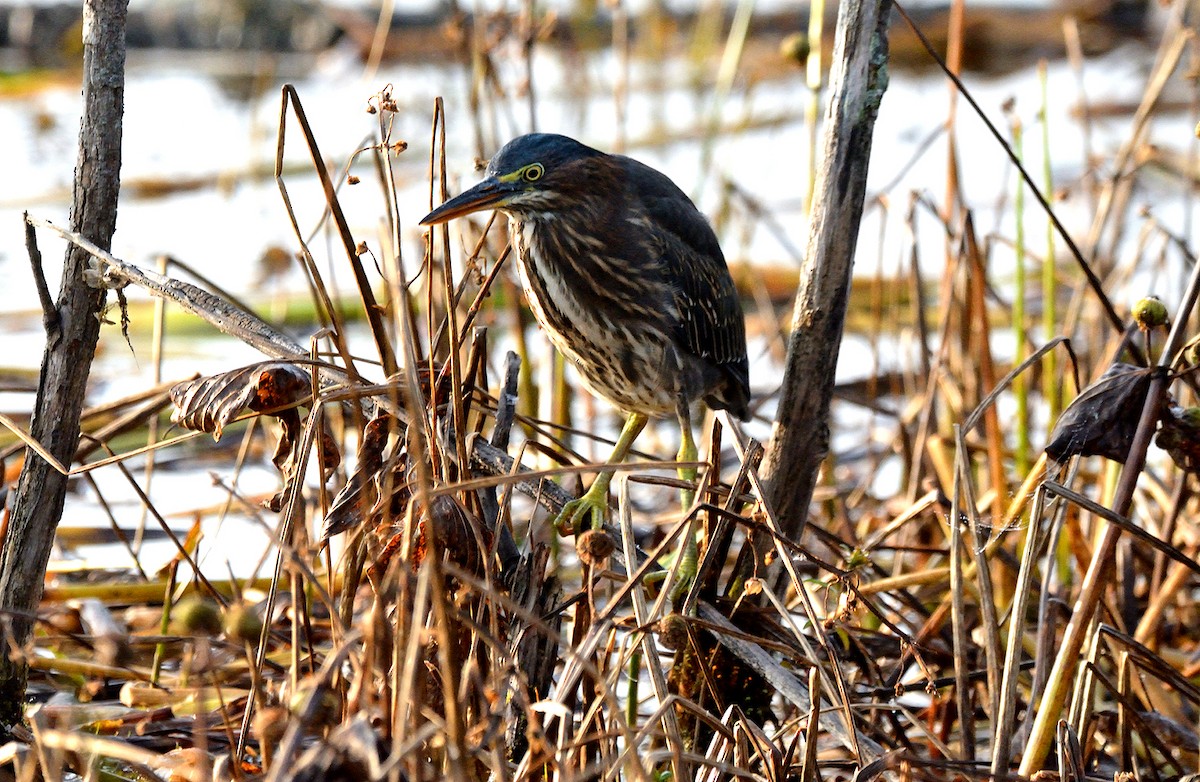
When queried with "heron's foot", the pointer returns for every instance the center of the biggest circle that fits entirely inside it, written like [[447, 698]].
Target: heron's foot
[[685, 561], [587, 512], [653, 582]]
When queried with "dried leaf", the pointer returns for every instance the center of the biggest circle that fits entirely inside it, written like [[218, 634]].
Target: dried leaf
[[1179, 435], [288, 452], [449, 526], [209, 404], [360, 493], [352, 751], [1104, 417]]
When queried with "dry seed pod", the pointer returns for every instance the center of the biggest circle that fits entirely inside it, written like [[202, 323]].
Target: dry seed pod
[[795, 47], [672, 631], [1150, 313], [195, 616], [243, 623], [594, 547]]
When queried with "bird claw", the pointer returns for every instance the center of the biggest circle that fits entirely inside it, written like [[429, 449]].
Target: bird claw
[[683, 585], [685, 575], [591, 507]]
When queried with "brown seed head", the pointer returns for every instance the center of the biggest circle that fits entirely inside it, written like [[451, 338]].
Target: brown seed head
[[594, 547], [672, 631], [195, 616]]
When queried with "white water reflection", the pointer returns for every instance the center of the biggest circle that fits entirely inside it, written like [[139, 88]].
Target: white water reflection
[[180, 124]]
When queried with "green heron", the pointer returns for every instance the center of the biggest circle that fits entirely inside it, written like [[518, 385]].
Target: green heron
[[627, 278]]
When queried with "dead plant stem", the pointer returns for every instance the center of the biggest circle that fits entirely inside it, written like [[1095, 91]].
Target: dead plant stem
[[1098, 573]]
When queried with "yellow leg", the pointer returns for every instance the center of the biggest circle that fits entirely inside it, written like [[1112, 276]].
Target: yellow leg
[[593, 505], [687, 554], [687, 453]]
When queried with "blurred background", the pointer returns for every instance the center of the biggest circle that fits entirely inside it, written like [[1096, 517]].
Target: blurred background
[[725, 97], [719, 95]]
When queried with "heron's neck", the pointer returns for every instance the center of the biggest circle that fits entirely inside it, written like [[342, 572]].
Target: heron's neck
[[594, 213]]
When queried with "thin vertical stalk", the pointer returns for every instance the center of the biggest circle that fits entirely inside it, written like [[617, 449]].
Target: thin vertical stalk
[[954, 43], [1003, 721], [620, 44], [1051, 387], [1098, 573], [981, 331], [644, 616], [1020, 383], [454, 358], [383, 25], [731, 56], [980, 543], [561, 393], [800, 437], [158, 331], [958, 606], [1193, 151], [1074, 46], [528, 39], [1081, 701], [1124, 729], [816, 30]]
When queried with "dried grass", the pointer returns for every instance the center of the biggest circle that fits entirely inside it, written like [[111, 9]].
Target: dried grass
[[456, 637]]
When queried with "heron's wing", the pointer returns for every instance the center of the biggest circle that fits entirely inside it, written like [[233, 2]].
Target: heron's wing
[[713, 326]]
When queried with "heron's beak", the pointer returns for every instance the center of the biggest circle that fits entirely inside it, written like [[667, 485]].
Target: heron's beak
[[488, 194]]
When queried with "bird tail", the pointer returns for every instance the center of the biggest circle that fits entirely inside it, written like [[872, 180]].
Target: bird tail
[[734, 393]]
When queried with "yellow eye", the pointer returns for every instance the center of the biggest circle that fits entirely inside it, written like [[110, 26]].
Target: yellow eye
[[534, 172]]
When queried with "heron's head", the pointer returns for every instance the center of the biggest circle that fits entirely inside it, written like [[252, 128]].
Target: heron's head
[[539, 172]]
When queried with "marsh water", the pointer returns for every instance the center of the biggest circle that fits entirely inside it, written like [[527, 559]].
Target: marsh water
[[200, 139]]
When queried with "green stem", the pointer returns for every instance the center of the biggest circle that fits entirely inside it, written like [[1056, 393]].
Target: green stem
[[631, 693], [1051, 387], [1020, 385]]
